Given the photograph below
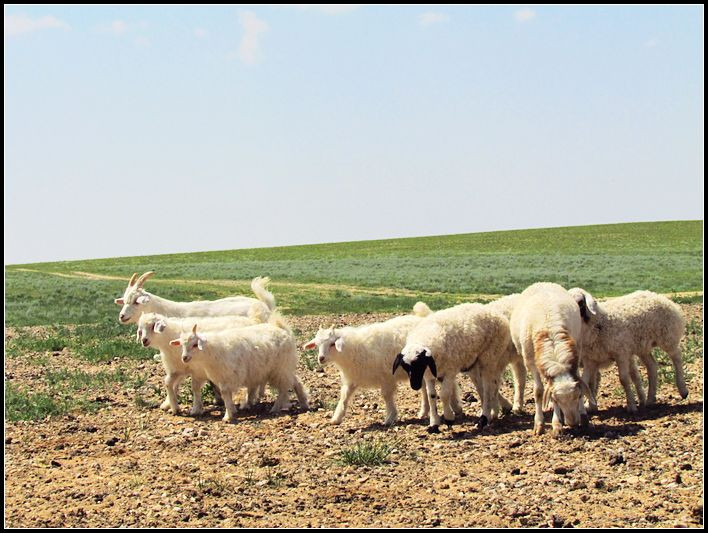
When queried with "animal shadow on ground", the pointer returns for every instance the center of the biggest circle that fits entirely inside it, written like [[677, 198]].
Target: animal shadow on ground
[[654, 412], [258, 412]]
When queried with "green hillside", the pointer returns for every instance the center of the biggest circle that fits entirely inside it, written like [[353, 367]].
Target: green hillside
[[384, 275]]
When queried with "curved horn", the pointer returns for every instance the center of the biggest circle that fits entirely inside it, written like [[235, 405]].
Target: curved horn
[[194, 329], [142, 279], [132, 279]]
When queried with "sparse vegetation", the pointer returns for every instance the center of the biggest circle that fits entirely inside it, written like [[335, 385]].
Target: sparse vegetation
[[366, 453]]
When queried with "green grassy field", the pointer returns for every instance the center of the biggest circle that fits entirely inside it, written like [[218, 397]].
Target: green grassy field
[[76, 313], [387, 275]]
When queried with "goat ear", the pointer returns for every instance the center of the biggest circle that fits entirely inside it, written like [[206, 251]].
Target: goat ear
[[143, 299], [201, 342], [339, 344], [397, 362], [138, 335], [119, 301], [176, 342], [309, 345]]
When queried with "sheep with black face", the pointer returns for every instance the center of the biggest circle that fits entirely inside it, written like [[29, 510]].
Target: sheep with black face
[[451, 341]]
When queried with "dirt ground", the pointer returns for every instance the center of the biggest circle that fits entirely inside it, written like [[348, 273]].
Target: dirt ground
[[128, 465]]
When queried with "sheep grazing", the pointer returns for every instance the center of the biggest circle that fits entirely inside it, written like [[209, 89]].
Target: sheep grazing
[[451, 341], [364, 356], [156, 331], [137, 300], [546, 328], [245, 357], [620, 328]]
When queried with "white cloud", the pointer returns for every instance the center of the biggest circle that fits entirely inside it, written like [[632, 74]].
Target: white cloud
[[651, 43], [249, 51], [328, 9], [429, 18], [522, 15], [18, 24], [200, 33]]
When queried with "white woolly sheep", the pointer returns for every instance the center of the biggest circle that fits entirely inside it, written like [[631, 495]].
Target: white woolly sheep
[[137, 300], [156, 331], [620, 328], [545, 328], [505, 306], [246, 357], [451, 341], [364, 356]]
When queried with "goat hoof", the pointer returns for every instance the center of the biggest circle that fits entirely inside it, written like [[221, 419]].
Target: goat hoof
[[684, 395], [483, 421], [433, 429], [584, 421], [538, 429], [449, 423]]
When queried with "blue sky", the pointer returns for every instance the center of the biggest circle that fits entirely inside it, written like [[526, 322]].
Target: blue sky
[[139, 130]]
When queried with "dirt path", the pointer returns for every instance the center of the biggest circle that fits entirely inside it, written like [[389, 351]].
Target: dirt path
[[132, 465]]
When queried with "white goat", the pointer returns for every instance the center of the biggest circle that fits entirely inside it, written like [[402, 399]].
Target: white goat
[[246, 357], [137, 300], [364, 356], [545, 328], [619, 329], [451, 341], [156, 331]]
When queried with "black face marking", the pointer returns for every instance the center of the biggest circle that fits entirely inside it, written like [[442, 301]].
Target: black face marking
[[583, 306], [398, 361]]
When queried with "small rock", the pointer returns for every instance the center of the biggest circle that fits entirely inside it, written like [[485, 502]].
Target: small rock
[[678, 479], [8, 440], [561, 470], [516, 472], [112, 441], [55, 464], [556, 521], [617, 459], [686, 466]]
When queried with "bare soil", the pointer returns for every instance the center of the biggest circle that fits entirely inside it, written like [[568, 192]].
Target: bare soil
[[131, 465]]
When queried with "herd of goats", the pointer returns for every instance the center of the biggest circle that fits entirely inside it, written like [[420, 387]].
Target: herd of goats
[[244, 342]]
